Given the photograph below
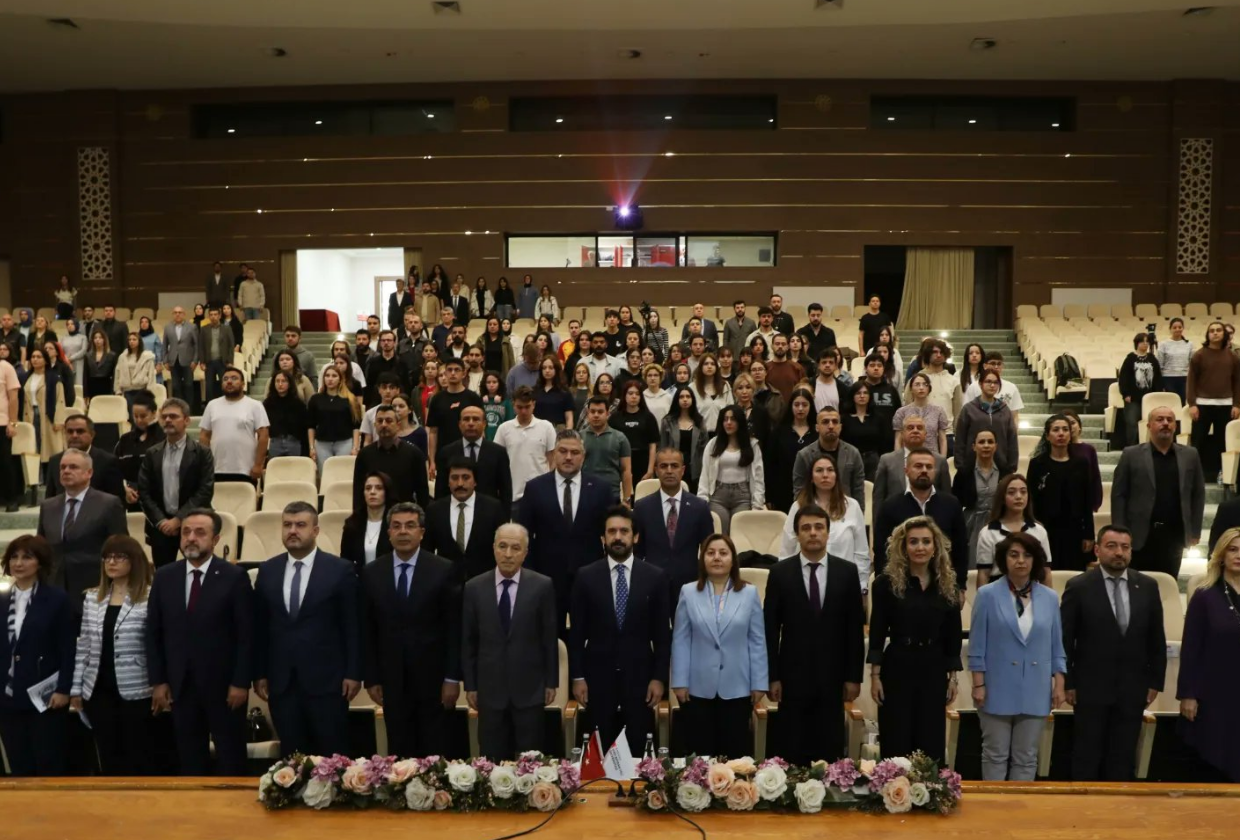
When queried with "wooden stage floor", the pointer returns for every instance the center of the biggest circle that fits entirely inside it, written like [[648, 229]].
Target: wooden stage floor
[[180, 809]]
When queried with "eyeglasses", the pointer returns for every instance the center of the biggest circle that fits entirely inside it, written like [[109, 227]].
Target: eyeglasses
[[116, 558]]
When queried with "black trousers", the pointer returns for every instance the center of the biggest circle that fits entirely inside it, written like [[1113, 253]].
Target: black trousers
[[1209, 437], [1066, 554], [199, 717], [718, 727], [123, 733], [182, 380], [912, 716], [503, 733], [311, 724], [1163, 550], [212, 379], [35, 743], [415, 727], [627, 710], [811, 726], [10, 470], [164, 549], [1105, 741]]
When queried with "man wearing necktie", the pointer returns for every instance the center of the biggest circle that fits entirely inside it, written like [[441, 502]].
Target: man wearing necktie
[[492, 469], [308, 655], [672, 524], [459, 527], [411, 602], [510, 649], [815, 642], [1116, 650]]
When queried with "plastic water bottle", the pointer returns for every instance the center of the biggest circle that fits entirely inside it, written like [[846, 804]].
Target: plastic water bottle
[[648, 752]]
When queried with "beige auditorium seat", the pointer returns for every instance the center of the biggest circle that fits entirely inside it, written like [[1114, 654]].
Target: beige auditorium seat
[[646, 487], [1194, 583], [1074, 310], [1231, 452], [109, 408], [123, 313], [1026, 310], [1106, 498], [262, 537], [276, 496], [758, 577], [718, 522], [1221, 310], [159, 392], [136, 523], [839, 313], [144, 312], [869, 503], [1147, 311], [1121, 311], [228, 537], [1028, 443], [1114, 409], [236, 497], [25, 447], [758, 530], [337, 468], [338, 496], [290, 468], [1050, 312], [1171, 310], [1059, 580], [1196, 310], [1098, 312], [1173, 610], [331, 529]]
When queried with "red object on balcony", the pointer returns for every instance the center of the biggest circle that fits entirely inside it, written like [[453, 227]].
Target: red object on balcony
[[319, 320]]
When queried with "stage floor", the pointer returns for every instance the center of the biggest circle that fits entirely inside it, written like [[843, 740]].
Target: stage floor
[[213, 808]]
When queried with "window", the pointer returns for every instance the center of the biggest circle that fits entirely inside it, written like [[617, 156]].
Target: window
[[972, 113], [641, 113], [624, 250], [308, 119]]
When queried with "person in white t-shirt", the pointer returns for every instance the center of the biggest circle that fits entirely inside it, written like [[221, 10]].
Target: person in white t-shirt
[[234, 427], [1008, 394], [530, 443]]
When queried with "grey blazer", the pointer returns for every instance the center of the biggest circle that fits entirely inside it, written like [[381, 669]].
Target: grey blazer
[[1132, 491], [183, 352], [133, 681], [847, 462], [510, 670], [75, 555], [734, 336], [889, 480]]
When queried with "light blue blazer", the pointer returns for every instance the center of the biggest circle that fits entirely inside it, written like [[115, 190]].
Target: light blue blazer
[[1018, 671], [723, 658]]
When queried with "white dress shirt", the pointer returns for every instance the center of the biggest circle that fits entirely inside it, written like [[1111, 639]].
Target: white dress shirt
[[628, 576], [822, 578], [512, 590], [679, 499], [21, 597], [1024, 621], [189, 576], [909, 490], [290, 568], [370, 543], [576, 491], [471, 504]]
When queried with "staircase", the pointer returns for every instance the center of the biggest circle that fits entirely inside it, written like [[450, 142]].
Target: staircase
[[318, 343]]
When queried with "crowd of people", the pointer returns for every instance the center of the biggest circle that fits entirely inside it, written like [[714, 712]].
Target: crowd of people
[[479, 479]]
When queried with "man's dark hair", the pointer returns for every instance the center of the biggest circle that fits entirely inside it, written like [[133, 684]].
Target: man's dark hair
[[814, 307], [618, 511], [765, 310], [597, 401], [1116, 529], [298, 507], [293, 328], [810, 510], [388, 378], [453, 361], [460, 462], [90, 424], [994, 356], [523, 394], [217, 522]]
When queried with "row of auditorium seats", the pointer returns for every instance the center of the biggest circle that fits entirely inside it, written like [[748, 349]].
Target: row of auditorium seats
[[1124, 311]]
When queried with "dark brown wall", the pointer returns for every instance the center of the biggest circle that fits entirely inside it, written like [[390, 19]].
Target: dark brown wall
[[1091, 207]]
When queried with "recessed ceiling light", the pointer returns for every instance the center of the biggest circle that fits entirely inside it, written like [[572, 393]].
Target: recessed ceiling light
[[1054, 125], [1068, 155], [430, 116], [669, 154], [469, 233], [891, 119], [772, 119], [667, 116], [260, 210], [232, 131], [318, 122], [972, 122], [559, 119]]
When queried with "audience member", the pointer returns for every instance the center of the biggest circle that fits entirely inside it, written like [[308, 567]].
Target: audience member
[[180, 355], [100, 367], [443, 413], [292, 342], [873, 321], [608, 455], [75, 343], [1140, 374], [333, 417], [865, 428], [1081, 449], [990, 414], [732, 479], [214, 353], [11, 479], [1213, 396], [235, 428], [116, 331], [251, 296], [1008, 394], [177, 476], [816, 336], [490, 461], [934, 418], [47, 397], [1058, 490], [364, 536], [847, 458], [288, 432], [530, 444], [827, 388], [1011, 513], [460, 524], [847, 537], [79, 432], [921, 498], [403, 462]]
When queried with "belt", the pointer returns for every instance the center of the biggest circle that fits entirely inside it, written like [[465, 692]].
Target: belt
[[912, 643]]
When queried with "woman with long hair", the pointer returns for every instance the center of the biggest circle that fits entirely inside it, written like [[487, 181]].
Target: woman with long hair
[[1209, 682], [505, 301], [547, 305], [496, 350], [351, 371], [974, 364], [655, 336], [66, 298], [865, 429], [920, 388], [764, 395], [428, 387], [75, 345], [100, 367], [1059, 490], [732, 479], [335, 416], [605, 387], [1139, 374], [657, 399], [975, 488], [1081, 449], [634, 420], [1212, 392], [987, 413], [711, 390], [719, 663], [408, 427], [232, 323], [547, 325], [796, 350], [111, 682], [481, 302], [885, 339], [135, 371], [551, 401], [39, 335], [915, 645], [200, 314], [674, 356], [847, 538], [759, 349], [792, 434], [580, 389], [287, 361], [365, 536], [288, 415], [1011, 513], [681, 376], [682, 429], [495, 402]]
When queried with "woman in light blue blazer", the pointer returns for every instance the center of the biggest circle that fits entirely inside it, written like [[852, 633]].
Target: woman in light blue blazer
[[110, 678], [718, 653], [1017, 659]]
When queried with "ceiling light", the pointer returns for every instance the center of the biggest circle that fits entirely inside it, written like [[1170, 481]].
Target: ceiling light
[[667, 116], [559, 119], [260, 210], [318, 122], [1068, 155], [891, 119], [232, 131], [772, 119], [430, 116], [469, 233], [972, 122], [1054, 125], [669, 154], [488, 231]]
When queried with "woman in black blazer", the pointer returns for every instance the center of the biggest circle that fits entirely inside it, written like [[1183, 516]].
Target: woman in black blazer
[[36, 643], [365, 536], [229, 319]]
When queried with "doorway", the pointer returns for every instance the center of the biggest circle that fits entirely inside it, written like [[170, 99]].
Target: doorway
[[884, 276], [348, 282]]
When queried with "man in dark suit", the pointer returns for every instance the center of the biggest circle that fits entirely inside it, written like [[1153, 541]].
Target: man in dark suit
[[491, 468], [815, 643], [200, 621], [397, 301], [460, 527], [459, 302], [923, 499], [672, 524], [412, 645], [308, 647], [620, 641], [219, 287], [106, 475], [177, 475], [563, 513], [180, 355], [75, 523], [402, 461], [889, 480], [116, 331], [510, 649], [1159, 493], [1117, 657]]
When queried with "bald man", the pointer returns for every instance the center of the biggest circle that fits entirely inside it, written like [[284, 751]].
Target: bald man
[[492, 472]]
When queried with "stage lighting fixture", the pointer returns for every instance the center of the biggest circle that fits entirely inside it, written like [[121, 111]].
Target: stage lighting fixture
[[628, 217]]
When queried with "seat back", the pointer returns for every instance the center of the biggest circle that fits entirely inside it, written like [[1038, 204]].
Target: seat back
[[236, 497], [337, 468], [261, 540], [338, 496], [276, 496], [25, 446], [1173, 611], [109, 408], [1171, 310], [758, 530], [1221, 310], [758, 577], [228, 538], [1027, 444], [331, 529], [645, 487], [1196, 310], [1146, 310], [290, 468], [1059, 580], [1151, 401]]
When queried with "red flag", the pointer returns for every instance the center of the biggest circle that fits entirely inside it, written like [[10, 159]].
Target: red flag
[[592, 761]]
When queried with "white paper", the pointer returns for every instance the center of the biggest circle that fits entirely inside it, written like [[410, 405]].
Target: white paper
[[42, 691], [85, 719]]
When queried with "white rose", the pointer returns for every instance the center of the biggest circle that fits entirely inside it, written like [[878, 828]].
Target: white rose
[[547, 774], [772, 782], [419, 796], [525, 783], [317, 793], [692, 797], [264, 784], [503, 782], [462, 777], [903, 763], [285, 776], [809, 795], [919, 794]]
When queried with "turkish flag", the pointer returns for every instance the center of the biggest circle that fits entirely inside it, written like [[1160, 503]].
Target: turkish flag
[[592, 761]]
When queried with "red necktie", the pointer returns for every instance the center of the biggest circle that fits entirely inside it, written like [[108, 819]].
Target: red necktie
[[195, 589]]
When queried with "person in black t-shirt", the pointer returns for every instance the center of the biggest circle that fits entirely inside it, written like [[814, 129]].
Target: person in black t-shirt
[[872, 322], [443, 414], [634, 420], [884, 398], [146, 432]]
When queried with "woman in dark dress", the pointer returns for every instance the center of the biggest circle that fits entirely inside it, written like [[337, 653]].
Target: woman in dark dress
[[505, 301], [551, 401], [792, 434], [914, 640], [682, 429], [1209, 686], [100, 367], [868, 430], [1059, 491], [633, 420], [365, 537]]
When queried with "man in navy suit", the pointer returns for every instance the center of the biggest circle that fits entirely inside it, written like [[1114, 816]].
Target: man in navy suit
[[672, 524], [620, 642], [308, 648], [200, 620], [563, 512]]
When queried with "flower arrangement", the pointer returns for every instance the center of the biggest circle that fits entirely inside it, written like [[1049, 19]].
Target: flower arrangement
[[419, 784], [894, 785]]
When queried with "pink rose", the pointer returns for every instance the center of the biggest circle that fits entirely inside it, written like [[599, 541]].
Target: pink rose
[[354, 779], [720, 778], [898, 795], [545, 796], [442, 800], [655, 800], [743, 766], [403, 771], [742, 796], [285, 776]]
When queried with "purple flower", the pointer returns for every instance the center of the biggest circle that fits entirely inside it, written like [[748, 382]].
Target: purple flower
[[427, 763], [570, 777], [483, 766], [883, 773], [774, 760], [651, 769], [527, 764], [696, 773], [951, 779], [843, 774], [376, 769], [329, 769]]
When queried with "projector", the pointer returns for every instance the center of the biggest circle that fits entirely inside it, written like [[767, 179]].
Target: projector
[[627, 217]]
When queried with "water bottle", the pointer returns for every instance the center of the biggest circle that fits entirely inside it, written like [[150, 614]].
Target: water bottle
[[648, 751], [664, 753], [870, 749], [575, 757]]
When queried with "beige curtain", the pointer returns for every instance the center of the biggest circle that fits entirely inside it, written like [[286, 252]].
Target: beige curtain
[[938, 289], [288, 291], [413, 256]]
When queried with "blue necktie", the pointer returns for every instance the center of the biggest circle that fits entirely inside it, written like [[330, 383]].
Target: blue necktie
[[402, 587], [294, 595], [505, 607], [622, 596]]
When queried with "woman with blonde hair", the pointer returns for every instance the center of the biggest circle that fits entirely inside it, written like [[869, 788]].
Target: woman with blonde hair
[[1209, 684], [335, 419], [915, 639], [110, 677], [846, 538]]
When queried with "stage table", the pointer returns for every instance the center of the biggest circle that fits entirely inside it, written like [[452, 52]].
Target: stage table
[[172, 809]]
